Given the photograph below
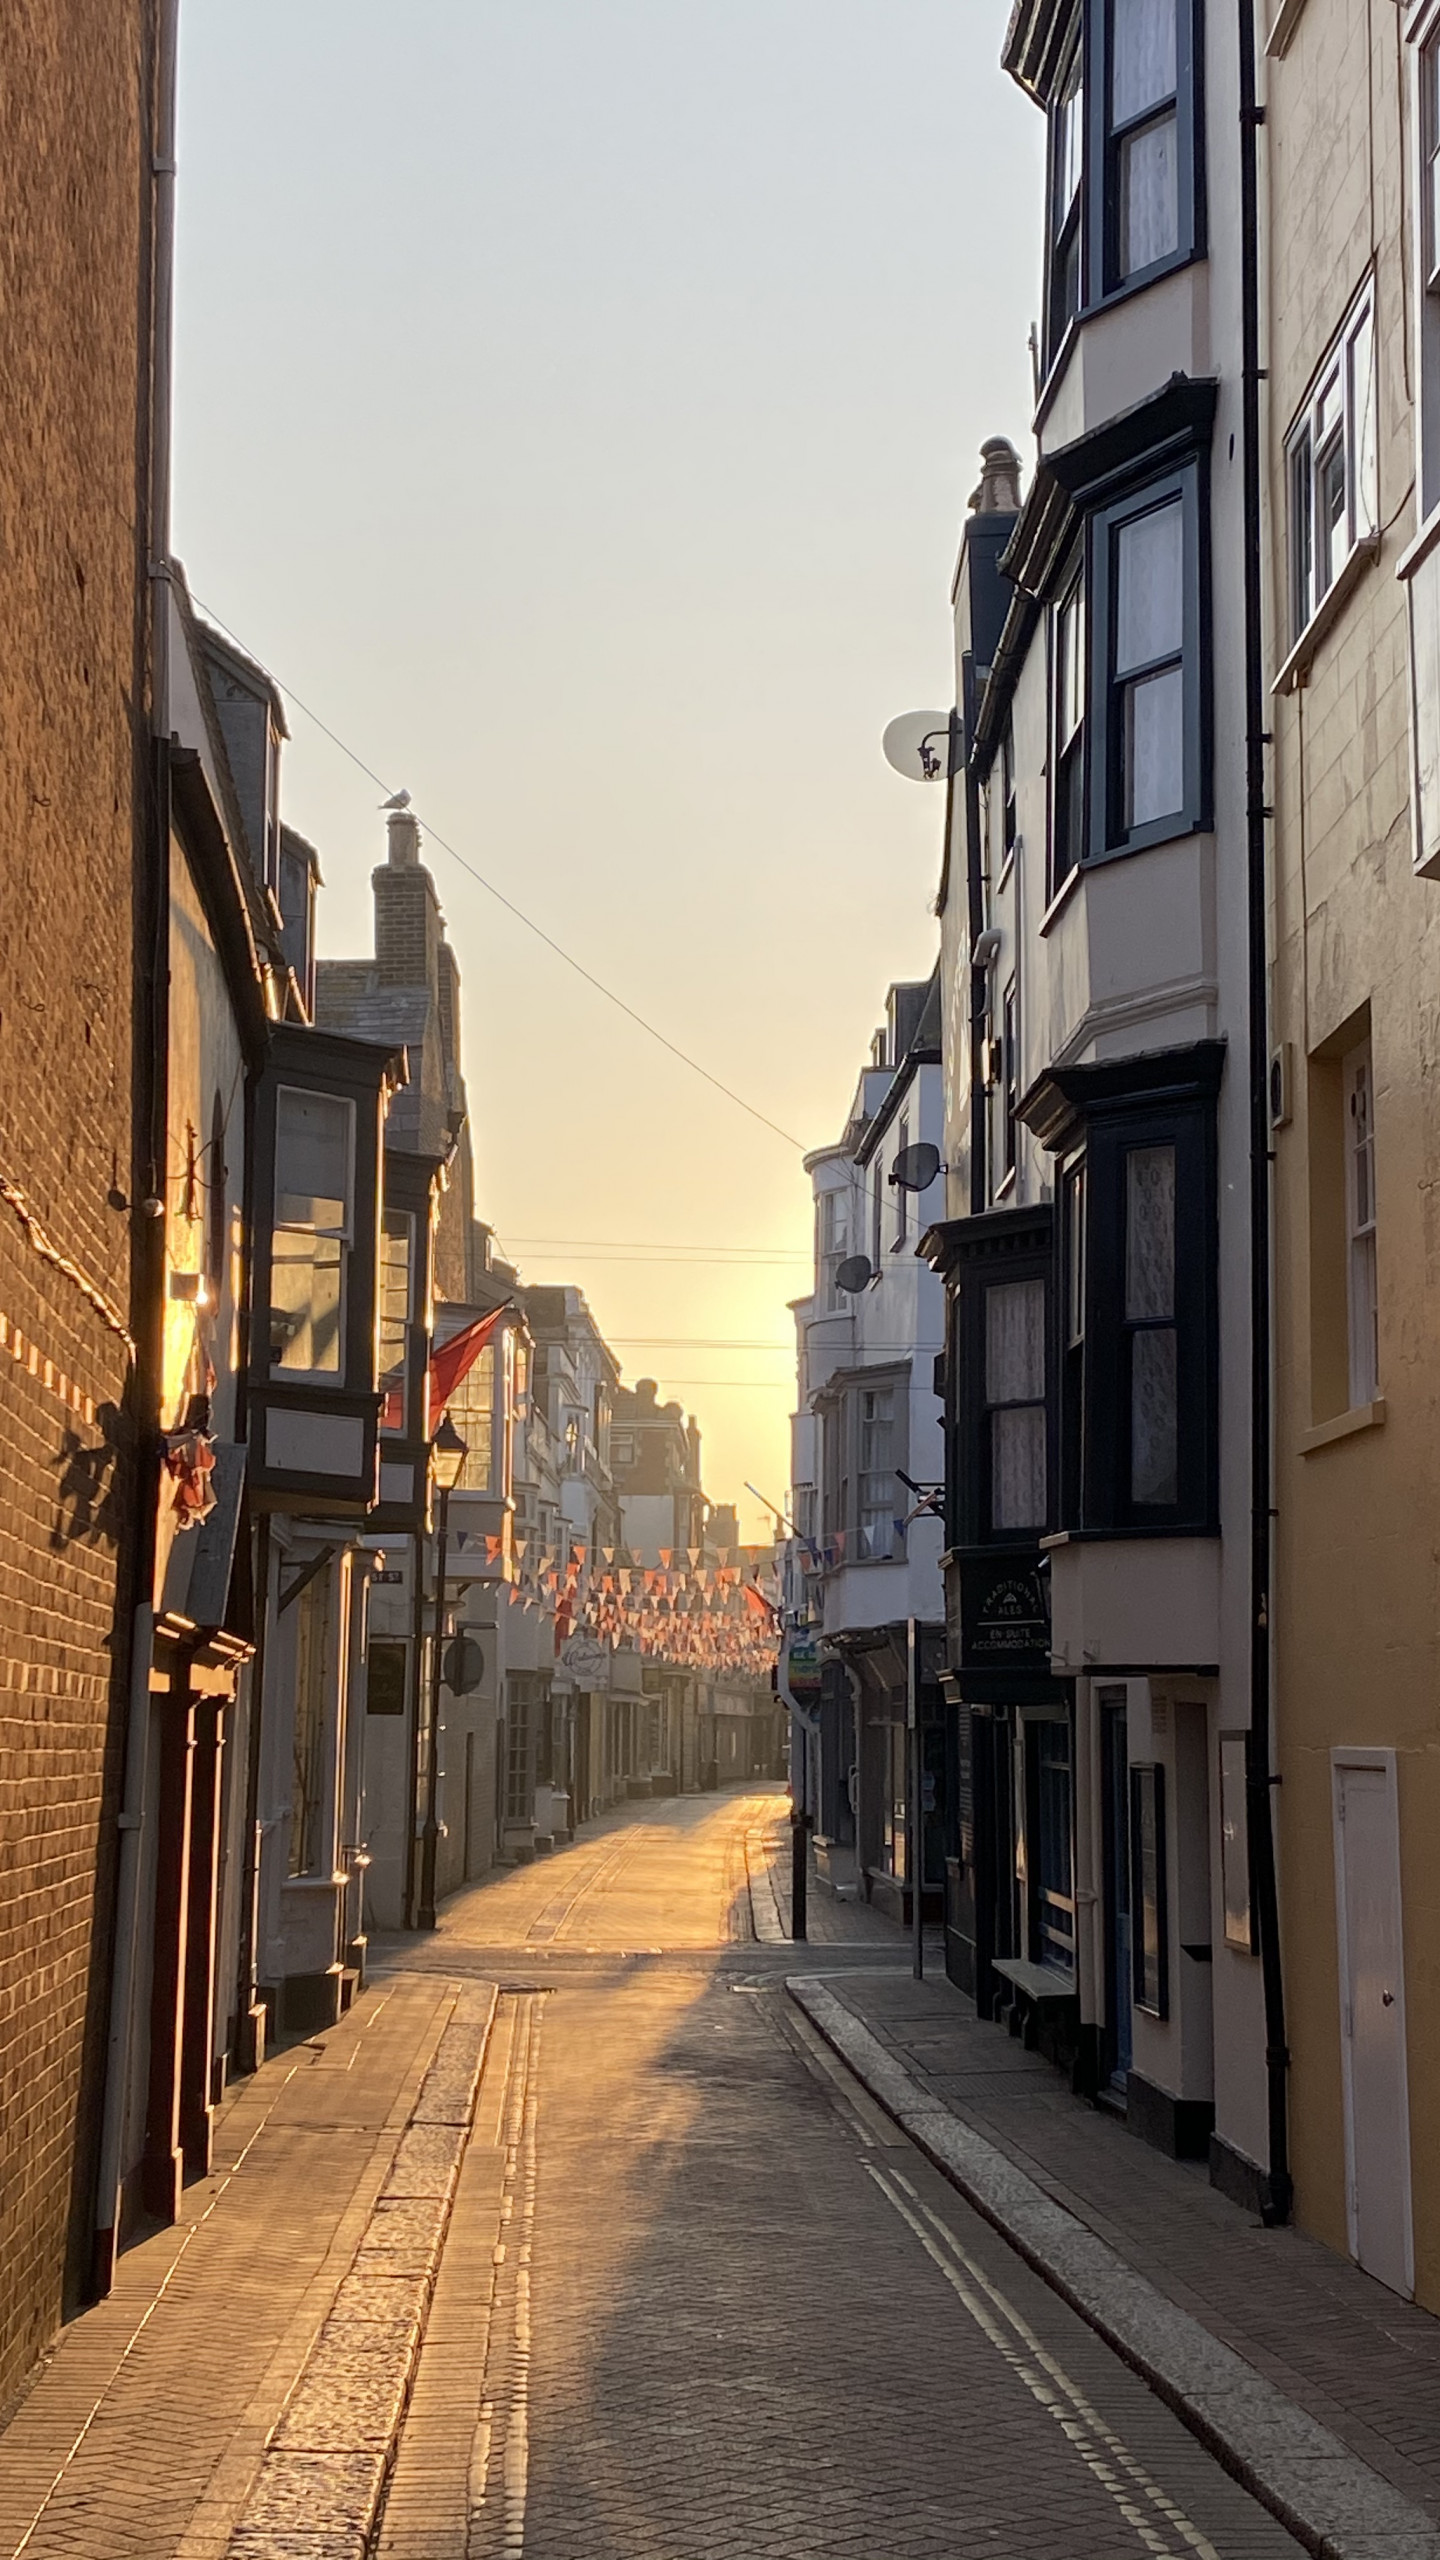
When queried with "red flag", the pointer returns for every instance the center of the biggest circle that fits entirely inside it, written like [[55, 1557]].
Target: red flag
[[453, 1360]]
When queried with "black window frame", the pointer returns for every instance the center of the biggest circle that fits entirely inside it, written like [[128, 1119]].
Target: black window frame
[[1069, 752], [1105, 143], [1186, 484], [1087, 227], [994, 1257], [1149, 1944], [1047, 1900], [1096, 1404]]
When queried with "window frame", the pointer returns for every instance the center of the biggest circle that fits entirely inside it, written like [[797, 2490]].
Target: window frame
[[1043, 1895], [1019, 1245], [1362, 1311], [391, 1221], [1089, 223], [1069, 793], [1096, 1425], [343, 1233], [1149, 1947], [1312, 440], [1106, 144], [1108, 837]]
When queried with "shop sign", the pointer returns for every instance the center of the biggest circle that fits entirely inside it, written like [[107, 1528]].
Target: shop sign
[[1004, 1614]]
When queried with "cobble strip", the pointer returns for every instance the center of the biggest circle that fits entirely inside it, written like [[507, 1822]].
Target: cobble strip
[[500, 2465], [317, 2492], [1308, 2479]]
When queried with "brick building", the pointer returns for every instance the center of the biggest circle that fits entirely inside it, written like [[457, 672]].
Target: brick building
[[78, 122]]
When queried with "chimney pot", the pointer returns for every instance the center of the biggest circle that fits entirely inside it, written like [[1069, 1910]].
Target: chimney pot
[[404, 834], [999, 490]]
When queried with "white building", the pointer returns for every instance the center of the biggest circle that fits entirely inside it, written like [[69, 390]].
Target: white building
[[861, 1570], [1097, 976]]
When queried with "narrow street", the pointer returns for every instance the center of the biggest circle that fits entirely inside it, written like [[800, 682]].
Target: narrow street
[[733, 2309]]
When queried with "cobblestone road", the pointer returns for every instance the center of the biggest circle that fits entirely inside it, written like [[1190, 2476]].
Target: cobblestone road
[[700, 2297]]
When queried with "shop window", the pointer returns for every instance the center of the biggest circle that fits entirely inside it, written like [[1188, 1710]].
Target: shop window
[[1050, 1793], [311, 1725], [385, 1660], [314, 1157], [1332, 464], [1148, 1915]]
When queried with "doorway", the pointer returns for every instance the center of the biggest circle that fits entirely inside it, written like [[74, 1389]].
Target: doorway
[[1372, 2016], [1115, 1790]]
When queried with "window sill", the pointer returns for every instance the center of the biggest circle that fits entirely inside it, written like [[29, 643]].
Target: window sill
[[1128, 1532], [1337, 595], [1361, 1417], [1061, 899]]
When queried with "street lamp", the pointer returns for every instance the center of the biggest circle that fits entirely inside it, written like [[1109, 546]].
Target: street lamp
[[448, 1453]]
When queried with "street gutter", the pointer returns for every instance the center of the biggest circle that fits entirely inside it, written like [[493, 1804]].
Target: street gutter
[[1331, 2501]]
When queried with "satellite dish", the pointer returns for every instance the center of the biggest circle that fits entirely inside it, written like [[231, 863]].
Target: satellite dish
[[915, 1167], [854, 1274], [917, 744], [462, 1666]]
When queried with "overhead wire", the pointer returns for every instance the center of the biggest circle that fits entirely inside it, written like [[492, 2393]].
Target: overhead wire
[[434, 836]]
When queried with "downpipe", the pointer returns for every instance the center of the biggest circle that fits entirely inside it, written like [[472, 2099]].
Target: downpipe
[[1260, 1778]]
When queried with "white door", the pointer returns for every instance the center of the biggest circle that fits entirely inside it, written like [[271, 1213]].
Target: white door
[[1372, 2015]]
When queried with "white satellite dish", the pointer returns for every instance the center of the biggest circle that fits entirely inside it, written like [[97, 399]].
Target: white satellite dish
[[917, 744]]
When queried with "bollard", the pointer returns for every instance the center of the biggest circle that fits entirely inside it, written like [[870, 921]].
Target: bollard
[[798, 1866]]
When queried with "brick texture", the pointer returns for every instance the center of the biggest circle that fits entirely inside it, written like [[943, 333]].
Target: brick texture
[[73, 184]]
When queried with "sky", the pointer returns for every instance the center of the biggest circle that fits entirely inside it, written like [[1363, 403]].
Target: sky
[[577, 402]]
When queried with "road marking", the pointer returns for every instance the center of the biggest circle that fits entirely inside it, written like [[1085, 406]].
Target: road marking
[[500, 2458], [1104, 2454]]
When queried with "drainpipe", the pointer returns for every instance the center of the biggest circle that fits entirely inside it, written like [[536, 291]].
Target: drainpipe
[[1260, 1781], [147, 1227]]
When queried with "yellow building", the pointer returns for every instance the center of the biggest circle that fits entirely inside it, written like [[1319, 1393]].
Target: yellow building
[[1354, 444]]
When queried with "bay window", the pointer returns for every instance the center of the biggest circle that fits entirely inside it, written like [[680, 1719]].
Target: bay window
[[877, 1471], [1126, 192], [1015, 1406], [314, 1198], [1138, 1246], [998, 1373], [1332, 465]]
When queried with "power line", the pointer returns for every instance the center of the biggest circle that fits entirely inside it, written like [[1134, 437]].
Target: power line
[[636, 1244], [538, 930]]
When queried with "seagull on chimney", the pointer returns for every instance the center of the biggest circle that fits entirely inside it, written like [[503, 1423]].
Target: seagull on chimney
[[397, 800]]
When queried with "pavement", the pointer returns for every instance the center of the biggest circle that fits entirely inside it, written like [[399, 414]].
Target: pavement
[[682, 2264]]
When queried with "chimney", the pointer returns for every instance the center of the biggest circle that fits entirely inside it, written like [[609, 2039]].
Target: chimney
[[999, 490], [404, 831]]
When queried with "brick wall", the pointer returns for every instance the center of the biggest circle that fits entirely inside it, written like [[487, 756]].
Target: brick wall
[[73, 203]]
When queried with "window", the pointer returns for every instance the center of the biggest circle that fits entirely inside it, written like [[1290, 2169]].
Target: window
[[1050, 1792], [877, 1470], [1149, 1919], [1007, 792], [1150, 779], [385, 1676], [1015, 1403], [1138, 1241], [622, 1448], [902, 1196], [472, 1410], [217, 1213], [1143, 137], [1068, 800], [397, 1250], [1431, 162], [307, 1787], [1332, 465], [1358, 1085], [834, 1232], [1150, 1325], [1067, 170], [314, 1154], [1125, 186], [1010, 1074]]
